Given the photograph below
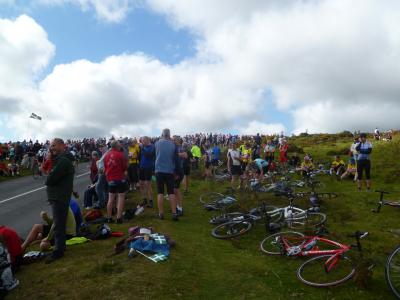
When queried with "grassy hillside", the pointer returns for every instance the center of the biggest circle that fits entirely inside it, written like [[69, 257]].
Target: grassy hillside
[[201, 267]]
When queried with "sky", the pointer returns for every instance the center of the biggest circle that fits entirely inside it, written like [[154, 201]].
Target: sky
[[94, 68]]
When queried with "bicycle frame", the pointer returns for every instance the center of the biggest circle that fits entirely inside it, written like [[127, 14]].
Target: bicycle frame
[[382, 202], [301, 251]]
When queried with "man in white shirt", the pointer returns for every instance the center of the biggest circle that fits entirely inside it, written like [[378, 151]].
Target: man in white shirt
[[234, 165]]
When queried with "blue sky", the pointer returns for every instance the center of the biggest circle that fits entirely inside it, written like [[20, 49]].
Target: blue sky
[[79, 34]]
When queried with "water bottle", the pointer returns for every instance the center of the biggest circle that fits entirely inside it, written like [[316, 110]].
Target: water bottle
[[310, 245]]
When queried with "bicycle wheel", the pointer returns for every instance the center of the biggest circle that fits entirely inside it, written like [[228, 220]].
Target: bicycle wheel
[[231, 229], [392, 271], [273, 245], [225, 218], [312, 272], [326, 195], [210, 197], [307, 219]]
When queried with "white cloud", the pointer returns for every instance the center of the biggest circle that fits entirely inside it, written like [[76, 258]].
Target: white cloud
[[24, 53], [308, 53], [112, 11], [262, 128], [329, 65]]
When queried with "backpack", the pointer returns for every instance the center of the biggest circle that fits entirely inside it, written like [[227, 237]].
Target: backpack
[[7, 280], [93, 214]]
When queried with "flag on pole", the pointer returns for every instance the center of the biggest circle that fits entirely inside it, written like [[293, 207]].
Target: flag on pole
[[35, 116]]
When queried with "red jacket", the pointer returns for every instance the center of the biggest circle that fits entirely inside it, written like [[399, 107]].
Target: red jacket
[[12, 241], [115, 165], [93, 170]]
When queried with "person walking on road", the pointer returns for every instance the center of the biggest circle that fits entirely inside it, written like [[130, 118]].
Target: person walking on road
[[59, 184]]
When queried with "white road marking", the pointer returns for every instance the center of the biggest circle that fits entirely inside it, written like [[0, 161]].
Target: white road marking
[[82, 174], [23, 194], [35, 190]]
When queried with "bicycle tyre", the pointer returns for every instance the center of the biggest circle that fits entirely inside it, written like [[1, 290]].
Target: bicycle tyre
[[241, 228], [221, 219], [310, 219], [277, 249], [393, 266], [210, 197], [320, 275]]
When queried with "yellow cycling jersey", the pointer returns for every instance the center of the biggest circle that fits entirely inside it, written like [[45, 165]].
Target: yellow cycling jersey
[[307, 165], [337, 163], [133, 154], [351, 168], [246, 154]]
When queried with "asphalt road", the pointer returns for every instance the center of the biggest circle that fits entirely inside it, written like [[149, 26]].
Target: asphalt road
[[22, 199]]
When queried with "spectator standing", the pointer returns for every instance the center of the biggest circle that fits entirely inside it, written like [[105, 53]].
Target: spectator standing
[[93, 167], [146, 166], [196, 153], [186, 167], [59, 184], [283, 148], [133, 168], [364, 148], [166, 159], [115, 169]]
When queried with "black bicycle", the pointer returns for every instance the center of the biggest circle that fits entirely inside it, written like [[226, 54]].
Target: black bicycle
[[383, 202]]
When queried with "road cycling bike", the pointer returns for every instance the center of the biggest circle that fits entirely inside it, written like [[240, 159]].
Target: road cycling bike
[[326, 267], [235, 224], [383, 202], [392, 271]]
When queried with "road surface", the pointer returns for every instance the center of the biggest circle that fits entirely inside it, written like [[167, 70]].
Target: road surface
[[22, 199]]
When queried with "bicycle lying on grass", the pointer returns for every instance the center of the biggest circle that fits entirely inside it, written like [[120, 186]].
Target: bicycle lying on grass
[[382, 202], [326, 267], [392, 271], [235, 224], [216, 201]]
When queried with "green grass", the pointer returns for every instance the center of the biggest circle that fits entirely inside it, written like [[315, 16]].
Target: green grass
[[23, 172], [201, 267]]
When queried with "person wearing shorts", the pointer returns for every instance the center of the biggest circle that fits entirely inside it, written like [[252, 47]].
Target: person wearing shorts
[[133, 167], [283, 148], [234, 166], [186, 167], [147, 155], [165, 164], [364, 149], [179, 175], [115, 167]]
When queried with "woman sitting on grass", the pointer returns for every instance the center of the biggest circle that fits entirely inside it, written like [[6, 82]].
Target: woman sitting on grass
[[306, 166], [351, 170]]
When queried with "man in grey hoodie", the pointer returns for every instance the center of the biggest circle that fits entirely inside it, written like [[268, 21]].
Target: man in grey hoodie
[[165, 167]]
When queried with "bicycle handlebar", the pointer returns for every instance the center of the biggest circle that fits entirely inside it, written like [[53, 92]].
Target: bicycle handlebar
[[359, 234]]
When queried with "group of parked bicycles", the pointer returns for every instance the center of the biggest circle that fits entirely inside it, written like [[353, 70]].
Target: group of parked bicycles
[[329, 263]]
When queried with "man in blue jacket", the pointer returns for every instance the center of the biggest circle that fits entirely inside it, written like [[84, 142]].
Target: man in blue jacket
[[364, 149], [165, 165]]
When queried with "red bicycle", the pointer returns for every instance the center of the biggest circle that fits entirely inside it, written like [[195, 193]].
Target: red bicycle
[[329, 264]]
